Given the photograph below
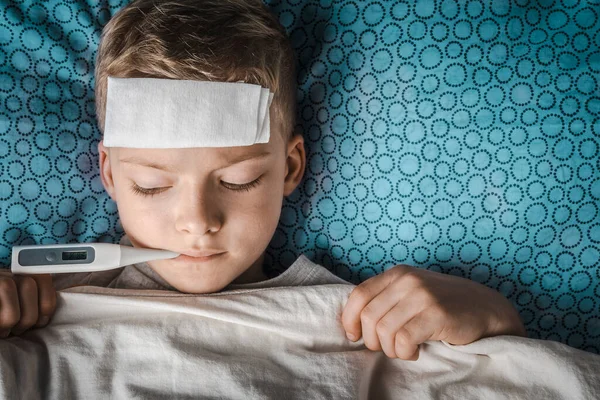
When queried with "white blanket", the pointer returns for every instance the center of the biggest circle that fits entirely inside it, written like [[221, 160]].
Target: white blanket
[[273, 343]]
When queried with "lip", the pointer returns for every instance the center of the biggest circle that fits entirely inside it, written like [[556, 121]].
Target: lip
[[188, 258]]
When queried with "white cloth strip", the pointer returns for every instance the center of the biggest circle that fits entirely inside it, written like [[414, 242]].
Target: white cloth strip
[[171, 113]]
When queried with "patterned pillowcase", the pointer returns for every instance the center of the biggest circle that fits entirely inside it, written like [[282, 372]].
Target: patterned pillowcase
[[462, 137]]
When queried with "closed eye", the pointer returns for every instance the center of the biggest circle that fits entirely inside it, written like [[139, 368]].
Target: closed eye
[[244, 186], [231, 186]]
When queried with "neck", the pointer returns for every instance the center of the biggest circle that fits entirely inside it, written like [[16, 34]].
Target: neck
[[253, 274]]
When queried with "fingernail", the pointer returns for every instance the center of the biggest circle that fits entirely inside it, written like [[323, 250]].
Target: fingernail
[[415, 356], [351, 336]]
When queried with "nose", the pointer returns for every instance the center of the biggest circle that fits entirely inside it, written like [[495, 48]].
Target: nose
[[198, 213]]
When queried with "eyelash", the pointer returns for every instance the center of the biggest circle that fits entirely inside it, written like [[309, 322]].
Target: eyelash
[[244, 186], [151, 192]]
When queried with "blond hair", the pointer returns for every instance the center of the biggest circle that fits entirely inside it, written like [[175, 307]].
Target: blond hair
[[212, 40]]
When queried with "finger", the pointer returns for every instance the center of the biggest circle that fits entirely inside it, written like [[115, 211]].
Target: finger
[[10, 311], [410, 305], [361, 296], [406, 285], [28, 302], [416, 331], [46, 298], [373, 313]]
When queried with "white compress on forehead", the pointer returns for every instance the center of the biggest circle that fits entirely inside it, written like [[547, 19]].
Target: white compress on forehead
[[169, 113]]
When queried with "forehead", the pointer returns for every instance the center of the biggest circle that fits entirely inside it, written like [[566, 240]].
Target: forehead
[[196, 157]]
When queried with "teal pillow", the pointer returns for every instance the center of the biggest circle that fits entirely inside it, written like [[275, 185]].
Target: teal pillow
[[460, 137]]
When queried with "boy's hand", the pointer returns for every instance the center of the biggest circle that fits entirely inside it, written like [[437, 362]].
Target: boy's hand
[[25, 301], [406, 306]]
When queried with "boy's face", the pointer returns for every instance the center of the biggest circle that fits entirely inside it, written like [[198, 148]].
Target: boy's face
[[196, 208]]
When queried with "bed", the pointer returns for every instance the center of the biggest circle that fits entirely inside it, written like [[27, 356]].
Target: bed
[[270, 343], [461, 137]]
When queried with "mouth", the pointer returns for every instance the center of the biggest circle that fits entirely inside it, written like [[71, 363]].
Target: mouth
[[184, 258]]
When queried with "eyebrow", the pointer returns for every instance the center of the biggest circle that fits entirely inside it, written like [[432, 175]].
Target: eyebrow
[[171, 168]]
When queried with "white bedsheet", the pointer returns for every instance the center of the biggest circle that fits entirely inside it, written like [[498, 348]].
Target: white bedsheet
[[275, 343]]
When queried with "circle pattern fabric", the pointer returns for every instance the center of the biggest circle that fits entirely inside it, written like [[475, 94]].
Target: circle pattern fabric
[[458, 136]]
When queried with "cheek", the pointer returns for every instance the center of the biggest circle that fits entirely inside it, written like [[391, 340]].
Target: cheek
[[138, 215], [268, 211], [254, 218]]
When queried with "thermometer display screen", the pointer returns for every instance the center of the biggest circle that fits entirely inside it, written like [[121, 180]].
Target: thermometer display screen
[[74, 255]]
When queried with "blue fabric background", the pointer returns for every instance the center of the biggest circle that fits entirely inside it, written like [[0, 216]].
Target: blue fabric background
[[461, 137]]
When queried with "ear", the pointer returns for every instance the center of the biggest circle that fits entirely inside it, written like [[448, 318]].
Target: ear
[[295, 163], [106, 170]]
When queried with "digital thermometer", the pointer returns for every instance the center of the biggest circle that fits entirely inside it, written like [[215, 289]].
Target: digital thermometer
[[80, 257]]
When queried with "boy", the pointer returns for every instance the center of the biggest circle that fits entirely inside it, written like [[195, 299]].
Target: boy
[[219, 206]]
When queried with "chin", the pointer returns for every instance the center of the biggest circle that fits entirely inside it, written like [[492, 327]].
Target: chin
[[192, 277], [205, 289]]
